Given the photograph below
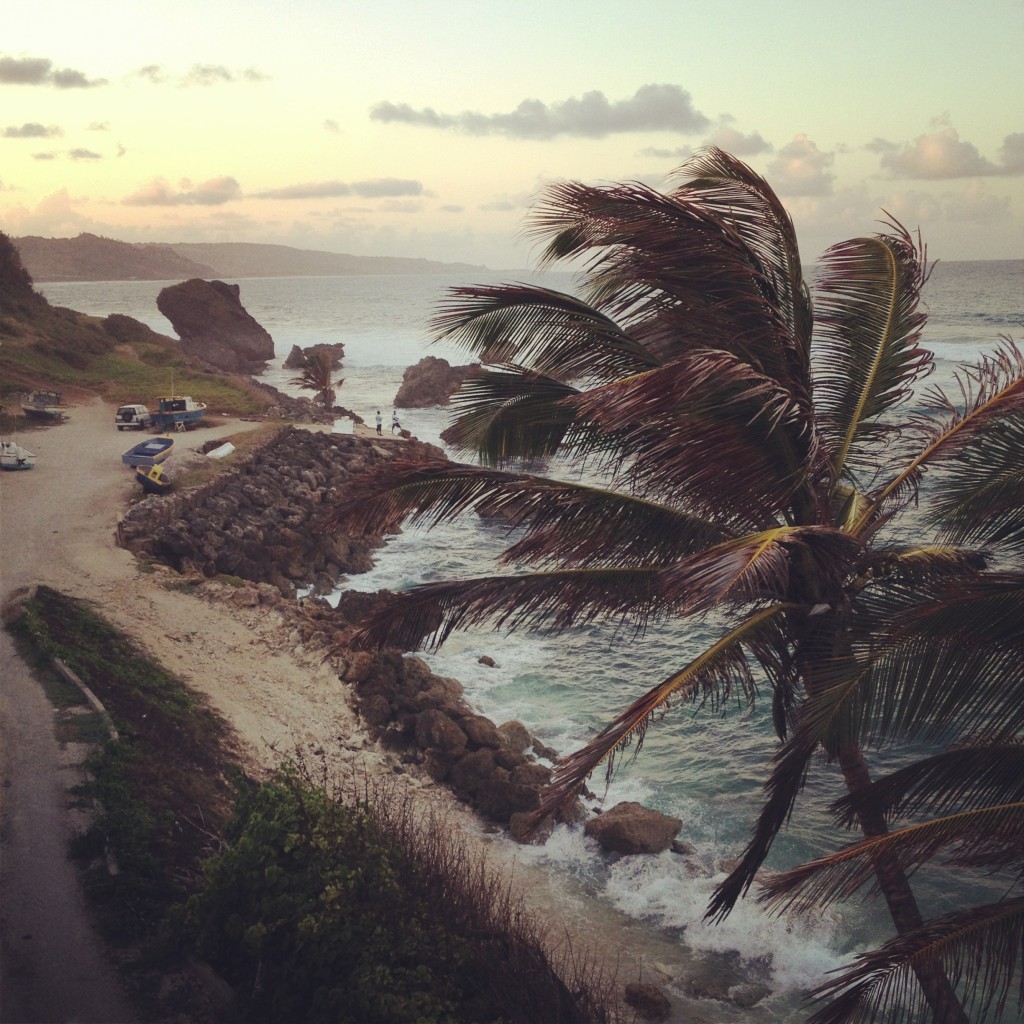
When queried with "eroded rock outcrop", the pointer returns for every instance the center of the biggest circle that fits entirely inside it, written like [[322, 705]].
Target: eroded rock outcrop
[[213, 326], [632, 828], [296, 359], [432, 381]]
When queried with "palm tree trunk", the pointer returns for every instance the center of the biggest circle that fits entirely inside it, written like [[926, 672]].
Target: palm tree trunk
[[899, 897]]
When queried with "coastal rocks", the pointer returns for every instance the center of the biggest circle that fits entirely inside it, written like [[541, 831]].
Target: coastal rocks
[[212, 324], [296, 359], [649, 1001], [431, 381], [257, 521], [632, 828]]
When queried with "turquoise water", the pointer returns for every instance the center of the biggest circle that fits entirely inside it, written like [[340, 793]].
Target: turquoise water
[[704, 768]]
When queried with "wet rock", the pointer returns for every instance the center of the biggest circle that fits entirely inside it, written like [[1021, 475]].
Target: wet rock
[[649, 1001], [631, 828]]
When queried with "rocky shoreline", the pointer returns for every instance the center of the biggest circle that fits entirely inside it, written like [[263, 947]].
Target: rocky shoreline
[[250, 535]]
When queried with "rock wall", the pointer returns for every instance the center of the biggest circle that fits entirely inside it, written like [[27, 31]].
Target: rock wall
[[256, 520]]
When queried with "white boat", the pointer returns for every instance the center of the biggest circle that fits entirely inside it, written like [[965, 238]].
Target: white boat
[[13, 456]]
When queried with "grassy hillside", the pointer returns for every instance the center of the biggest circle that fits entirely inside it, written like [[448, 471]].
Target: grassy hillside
[[115, 357]]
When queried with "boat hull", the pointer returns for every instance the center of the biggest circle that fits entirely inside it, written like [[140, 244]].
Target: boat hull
[[148, 453], [152, 479], [177, 412], [13, 457]]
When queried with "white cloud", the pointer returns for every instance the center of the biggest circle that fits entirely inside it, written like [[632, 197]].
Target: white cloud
[[32, 130], [651, 108], [801, 169], [40, 71], [214, 192], [943, 155]]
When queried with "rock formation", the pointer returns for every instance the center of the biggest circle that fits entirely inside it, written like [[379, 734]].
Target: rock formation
[[431, 381], [297, 357], [632, 828], [212, 324]]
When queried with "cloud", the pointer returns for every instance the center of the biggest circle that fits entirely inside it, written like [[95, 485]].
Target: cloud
[[84, 154], [371, 189], [32, 130], [801, 169], [40, 71], [200, 75], [942, 155], [451, 208], [735, 142], [1012, 153], [332, 126], [500, 206], [44, 156], [593, 116], [214, 192], [99, 126]]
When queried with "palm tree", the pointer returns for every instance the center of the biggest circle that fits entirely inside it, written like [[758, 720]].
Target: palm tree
[[317, 376], [757, 467]]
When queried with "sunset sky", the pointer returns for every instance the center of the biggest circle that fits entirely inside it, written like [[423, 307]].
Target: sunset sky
[[416, 128]]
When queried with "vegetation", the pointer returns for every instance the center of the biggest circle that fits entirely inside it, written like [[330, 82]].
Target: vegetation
[[161, 788], [318, 376], [318, 903], [116, 357], [330, 905], [758, 469]]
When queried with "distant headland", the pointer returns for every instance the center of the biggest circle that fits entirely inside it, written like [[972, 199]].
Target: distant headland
[[90, 257]]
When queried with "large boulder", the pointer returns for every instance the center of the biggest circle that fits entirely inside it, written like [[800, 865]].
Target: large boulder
[[212, 324], [296, 359], [431, 381], [632, 828]]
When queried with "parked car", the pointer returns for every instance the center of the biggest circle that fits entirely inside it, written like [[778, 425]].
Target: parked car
[[138, 416]]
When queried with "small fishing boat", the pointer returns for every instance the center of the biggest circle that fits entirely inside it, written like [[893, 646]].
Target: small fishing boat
[[13, 456], [152, 479], [43, 404], [150, 452], [177, 412]]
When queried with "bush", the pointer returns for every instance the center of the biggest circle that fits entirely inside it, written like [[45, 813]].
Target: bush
[[353, 911]]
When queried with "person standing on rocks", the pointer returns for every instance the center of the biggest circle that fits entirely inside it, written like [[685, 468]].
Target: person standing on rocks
[[396, 427], [379, 421]]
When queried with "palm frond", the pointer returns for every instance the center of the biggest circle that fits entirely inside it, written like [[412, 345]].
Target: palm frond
[[969, 776], [981, 498], [563, 522], [508, 414], [552, 333], [992, 391], [979, 949], [748, 204], [868, 320], [680, 273], [711, 677], [989, 837], [710, 432]]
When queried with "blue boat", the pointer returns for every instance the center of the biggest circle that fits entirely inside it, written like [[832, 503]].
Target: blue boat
[[177, 412], [152, 479], [149, 452]]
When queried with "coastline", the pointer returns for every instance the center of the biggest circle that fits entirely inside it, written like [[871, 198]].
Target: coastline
[[279, 696]]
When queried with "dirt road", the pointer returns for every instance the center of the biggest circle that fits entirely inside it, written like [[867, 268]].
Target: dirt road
[[56, 527]]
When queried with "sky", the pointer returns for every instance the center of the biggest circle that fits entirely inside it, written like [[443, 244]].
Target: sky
[[428, 128]]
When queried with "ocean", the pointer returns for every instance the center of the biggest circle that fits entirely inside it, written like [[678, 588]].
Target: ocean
[[704, 768]]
